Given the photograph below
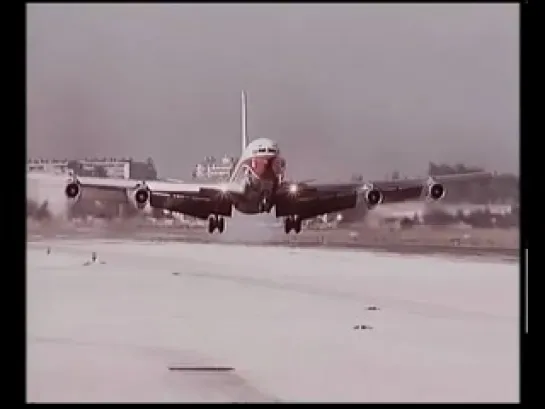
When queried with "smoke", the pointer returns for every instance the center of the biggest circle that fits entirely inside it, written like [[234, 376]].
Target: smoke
[[259, 228], [42, 187]]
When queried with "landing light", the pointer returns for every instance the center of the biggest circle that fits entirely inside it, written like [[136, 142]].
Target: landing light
[[293, 188]]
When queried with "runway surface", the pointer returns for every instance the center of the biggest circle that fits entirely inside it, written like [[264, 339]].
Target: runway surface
[[288, 321]]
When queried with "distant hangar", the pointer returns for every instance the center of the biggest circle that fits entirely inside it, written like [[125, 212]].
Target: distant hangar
[[123, 168]]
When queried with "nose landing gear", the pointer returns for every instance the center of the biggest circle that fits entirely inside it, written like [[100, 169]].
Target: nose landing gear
[[265, 206], [292, 223], [215, 222]]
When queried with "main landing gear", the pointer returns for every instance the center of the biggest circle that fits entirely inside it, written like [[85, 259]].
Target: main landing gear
[[292, 223], [215, 222]]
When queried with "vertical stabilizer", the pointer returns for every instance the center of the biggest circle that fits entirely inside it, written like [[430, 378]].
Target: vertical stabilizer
[[244, 122]]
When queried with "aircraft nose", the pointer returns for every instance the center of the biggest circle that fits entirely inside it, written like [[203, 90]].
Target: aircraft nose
[[262, 166]]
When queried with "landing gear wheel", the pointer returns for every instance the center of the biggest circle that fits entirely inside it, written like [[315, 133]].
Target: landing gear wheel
[[215, 222], [297, 225], [287, 225], [212, 224], [292, 223], [221, 224], [265, 206]]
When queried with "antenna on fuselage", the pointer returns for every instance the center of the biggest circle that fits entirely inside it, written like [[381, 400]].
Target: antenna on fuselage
[[244, 122]]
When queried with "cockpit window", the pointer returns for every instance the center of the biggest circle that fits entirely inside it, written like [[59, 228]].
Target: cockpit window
[[266, 150]]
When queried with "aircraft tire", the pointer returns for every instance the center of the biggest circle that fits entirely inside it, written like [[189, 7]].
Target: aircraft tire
[[221, 224], [297, 225], [212, 224], [287, 225]]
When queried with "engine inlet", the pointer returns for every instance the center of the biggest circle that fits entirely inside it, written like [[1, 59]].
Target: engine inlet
[[72, 190]]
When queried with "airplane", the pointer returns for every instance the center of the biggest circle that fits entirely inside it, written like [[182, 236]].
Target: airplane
[[256, 185]]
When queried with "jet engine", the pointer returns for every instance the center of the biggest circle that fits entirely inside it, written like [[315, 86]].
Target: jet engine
[[140, 196], [436, 191], [72, 190], [373, 196]]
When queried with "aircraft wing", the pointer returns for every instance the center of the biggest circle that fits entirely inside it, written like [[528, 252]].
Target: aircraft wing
[[308, 200], [194, 199]]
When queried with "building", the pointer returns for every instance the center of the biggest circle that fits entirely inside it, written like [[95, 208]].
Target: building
[[121, 168], [47, 165], [211, 169]]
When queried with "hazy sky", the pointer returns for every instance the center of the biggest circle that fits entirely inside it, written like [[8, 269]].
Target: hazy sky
[[343, 88]]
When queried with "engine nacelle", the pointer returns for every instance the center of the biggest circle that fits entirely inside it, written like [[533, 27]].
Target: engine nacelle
[[140, 197], [373, 197], [436, 191], [72, 190]]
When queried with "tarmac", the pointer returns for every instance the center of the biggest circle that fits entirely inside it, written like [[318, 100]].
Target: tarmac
[[266, 230], [182, 322]]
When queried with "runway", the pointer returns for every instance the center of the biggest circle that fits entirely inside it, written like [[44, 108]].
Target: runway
[[288, 321]]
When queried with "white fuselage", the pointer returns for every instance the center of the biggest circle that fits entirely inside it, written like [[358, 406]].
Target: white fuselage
[[259, 171]]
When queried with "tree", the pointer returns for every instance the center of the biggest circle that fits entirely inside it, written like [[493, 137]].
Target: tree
[[444, 169]]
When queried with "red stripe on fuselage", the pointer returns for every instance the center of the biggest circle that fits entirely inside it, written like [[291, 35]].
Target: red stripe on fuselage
[[265, 167]]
